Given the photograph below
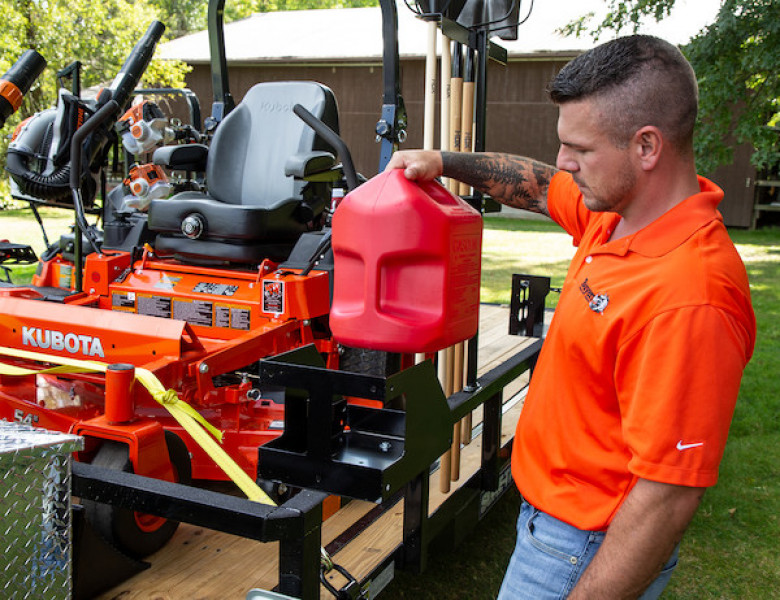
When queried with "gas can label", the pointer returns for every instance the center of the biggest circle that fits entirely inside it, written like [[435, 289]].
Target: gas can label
[[465, 274], [273, 296], [465, 253], [468, 246]]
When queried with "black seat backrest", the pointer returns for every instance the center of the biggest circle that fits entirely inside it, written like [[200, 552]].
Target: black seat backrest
[[250, 147]]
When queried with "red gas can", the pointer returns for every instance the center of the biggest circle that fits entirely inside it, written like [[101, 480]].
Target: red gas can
[[407, 266]]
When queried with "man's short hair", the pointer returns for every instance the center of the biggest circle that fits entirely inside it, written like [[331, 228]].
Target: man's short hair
[[636, 80]]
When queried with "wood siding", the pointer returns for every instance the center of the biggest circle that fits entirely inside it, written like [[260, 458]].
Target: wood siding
[[520, 118]]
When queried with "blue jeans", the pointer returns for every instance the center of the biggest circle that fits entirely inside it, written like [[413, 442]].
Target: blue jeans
[[550, 556]]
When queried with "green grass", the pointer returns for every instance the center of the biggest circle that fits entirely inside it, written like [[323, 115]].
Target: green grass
[[474, 570], [20, 226], [541, 248], [731, 549]]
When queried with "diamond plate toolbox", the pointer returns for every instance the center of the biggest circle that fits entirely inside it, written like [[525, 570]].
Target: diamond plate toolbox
[[35, 517]]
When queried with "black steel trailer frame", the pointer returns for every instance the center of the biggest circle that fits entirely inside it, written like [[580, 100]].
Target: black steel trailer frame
[[297, 523]]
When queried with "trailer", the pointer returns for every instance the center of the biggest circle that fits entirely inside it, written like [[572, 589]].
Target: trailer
[[241, 548]]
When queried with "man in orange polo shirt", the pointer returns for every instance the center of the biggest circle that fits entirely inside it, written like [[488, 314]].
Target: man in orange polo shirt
[[630, 404]]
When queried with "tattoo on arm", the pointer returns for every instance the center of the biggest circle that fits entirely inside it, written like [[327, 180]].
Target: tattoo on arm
[[512, 180]]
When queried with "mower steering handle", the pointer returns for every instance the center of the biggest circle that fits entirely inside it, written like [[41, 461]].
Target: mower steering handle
[[334, 140], [107, 111]]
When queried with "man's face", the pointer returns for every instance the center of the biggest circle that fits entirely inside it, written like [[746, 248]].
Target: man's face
[[603, 172]]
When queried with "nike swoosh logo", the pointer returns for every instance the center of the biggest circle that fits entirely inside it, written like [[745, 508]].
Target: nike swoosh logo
[[681, 446]]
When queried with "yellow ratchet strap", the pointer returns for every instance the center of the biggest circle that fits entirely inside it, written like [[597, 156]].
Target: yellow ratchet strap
[[186, 416]]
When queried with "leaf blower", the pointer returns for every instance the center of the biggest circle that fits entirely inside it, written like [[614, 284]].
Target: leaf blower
[[39, 160], [17, 81]]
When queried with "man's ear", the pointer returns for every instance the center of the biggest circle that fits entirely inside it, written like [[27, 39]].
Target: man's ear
[[648, 145]]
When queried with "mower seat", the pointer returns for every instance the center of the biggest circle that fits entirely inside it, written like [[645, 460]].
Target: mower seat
[[259, 201]]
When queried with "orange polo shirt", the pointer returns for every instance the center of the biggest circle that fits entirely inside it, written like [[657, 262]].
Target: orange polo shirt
[[640, 370]]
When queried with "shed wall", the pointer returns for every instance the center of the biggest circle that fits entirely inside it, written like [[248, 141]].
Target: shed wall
[[520, 119]]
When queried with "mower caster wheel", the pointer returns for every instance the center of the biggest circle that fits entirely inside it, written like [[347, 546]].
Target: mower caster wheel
[[135, 533]]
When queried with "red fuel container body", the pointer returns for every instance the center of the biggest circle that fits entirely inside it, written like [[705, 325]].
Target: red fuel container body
[[406, 266]]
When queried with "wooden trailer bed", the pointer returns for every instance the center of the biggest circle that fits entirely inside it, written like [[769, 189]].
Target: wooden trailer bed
[[206, 564]]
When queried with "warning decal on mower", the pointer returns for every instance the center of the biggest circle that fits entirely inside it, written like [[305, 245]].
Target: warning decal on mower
[[233, 317], [195, 312], [273, 296], [154, 306], [167, 282], [66, 273], [123, 301], [215, 289], [222, 316], [240, 318]]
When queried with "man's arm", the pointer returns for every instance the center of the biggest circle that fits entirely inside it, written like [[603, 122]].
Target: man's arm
[[639, 541], [512, 180]]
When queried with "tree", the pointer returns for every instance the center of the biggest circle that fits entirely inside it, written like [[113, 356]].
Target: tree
[[245, 8], [187, 16], [98, 33], [182, 16], [736, 59]]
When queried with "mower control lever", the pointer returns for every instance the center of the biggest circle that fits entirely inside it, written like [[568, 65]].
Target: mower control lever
[[334, 140], [105, 112]]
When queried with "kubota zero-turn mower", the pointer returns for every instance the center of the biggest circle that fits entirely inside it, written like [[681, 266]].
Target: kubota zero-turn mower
[[195, 288]]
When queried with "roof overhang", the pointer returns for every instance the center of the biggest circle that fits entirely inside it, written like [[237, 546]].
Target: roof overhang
[[354, 35]]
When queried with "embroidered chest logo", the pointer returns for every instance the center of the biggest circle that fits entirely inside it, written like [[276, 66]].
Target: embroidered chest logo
[[596, 302]]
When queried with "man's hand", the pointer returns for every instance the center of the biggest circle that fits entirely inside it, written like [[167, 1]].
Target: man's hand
[[423, 165], [639, 541], [512, 180]]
